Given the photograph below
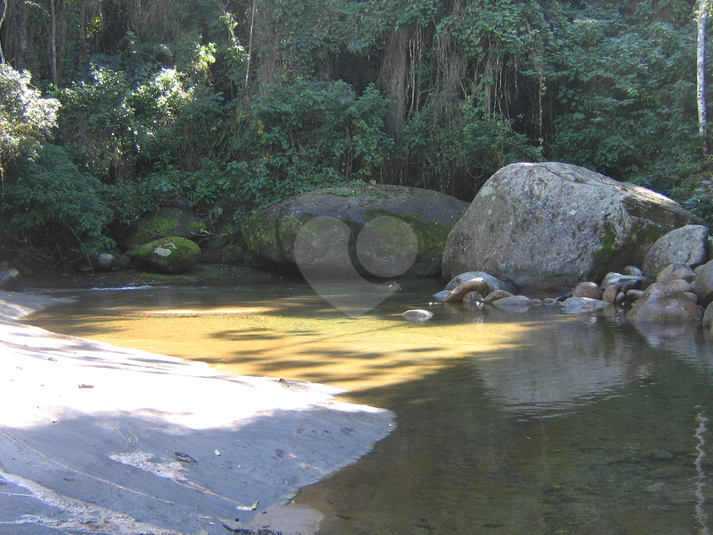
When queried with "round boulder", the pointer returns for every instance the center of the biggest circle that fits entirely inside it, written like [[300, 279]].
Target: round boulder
[[272, 233], [665, 303], [547, 226], [703, 285], [589, 290], [675, 272], [168, 255], [686, 245], [476, 284], [10, 279], [493, 282]]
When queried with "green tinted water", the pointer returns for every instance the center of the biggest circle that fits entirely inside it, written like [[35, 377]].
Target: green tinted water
[[508, 423]]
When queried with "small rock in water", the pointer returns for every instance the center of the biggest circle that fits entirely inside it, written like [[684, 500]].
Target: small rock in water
[[440, 295], [472, 297], [495, 295], [582, 305], [514, 302], [587, 289], [393, 286], [419, 315]]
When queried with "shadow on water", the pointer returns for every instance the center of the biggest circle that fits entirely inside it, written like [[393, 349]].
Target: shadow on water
[[510, 423]]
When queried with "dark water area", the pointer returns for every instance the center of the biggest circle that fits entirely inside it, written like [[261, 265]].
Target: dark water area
[[507, 423]]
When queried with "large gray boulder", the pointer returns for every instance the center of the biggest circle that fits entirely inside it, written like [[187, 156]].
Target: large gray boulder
[[548, 226], [687, 245], [426, 216]]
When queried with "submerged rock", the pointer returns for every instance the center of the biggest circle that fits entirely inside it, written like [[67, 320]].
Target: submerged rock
[[519, 303], [583, 305], [418, 315]]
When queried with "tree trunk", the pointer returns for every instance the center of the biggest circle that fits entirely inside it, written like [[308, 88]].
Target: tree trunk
[[2, 20], [701, 76], [250, 43], [53, 43], [394, 73]]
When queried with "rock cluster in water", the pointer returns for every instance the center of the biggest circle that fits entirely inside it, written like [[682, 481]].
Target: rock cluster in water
[[676, 286]]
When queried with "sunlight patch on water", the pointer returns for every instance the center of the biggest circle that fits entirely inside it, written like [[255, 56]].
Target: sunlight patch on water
[[354, 354]]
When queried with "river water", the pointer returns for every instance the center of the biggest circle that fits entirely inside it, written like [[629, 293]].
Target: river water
[[508, 423]]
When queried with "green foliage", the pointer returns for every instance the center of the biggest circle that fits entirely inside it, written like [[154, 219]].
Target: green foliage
[[308, 135], [626, 100], [97, 123], [117, 127], [51, 205], [456, 150], [219, 106], [26, 119]]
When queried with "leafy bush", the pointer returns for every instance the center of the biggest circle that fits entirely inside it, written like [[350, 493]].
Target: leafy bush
[[306, 135], [26, 119], [54, 207]]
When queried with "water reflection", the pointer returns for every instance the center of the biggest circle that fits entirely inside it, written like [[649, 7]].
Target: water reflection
[[567, 362], [534, 423]]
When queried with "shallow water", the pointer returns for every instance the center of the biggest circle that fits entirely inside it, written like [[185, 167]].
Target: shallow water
[[508, 423]]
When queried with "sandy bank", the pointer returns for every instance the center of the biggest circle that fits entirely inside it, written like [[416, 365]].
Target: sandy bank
[[100, 439]]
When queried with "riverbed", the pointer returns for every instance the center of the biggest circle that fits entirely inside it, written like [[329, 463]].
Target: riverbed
[[531, 422]]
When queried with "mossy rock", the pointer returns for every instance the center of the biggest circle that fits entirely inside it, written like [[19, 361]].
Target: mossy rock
[[168, 255], [167, 221], [271, 233]]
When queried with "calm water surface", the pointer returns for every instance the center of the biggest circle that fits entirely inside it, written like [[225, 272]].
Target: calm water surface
[[508, 423]]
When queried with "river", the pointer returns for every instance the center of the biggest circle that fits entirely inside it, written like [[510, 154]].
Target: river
[[507, 423]]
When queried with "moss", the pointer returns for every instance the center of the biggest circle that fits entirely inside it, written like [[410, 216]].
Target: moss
[[431, 235], [612, 256], [258, 230], [168, 255], [166, 222], [353, 189]]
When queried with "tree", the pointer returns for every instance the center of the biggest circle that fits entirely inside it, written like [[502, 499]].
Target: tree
[[702, 17], [26, 119]]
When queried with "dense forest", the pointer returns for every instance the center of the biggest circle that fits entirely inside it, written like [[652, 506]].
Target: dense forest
[[111, 108]]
